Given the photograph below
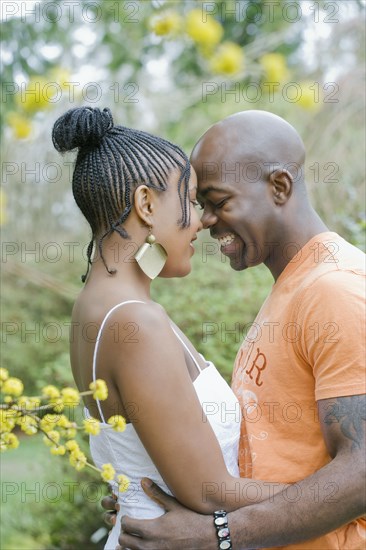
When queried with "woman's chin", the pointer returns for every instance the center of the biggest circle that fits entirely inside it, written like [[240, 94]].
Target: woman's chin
[[170, 273]]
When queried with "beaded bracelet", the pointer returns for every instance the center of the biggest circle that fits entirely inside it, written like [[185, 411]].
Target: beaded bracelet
[[222, 529]]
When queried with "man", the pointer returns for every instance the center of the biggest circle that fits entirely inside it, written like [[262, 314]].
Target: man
[[299, 374]]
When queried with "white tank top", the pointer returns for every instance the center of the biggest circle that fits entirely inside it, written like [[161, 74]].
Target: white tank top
[[128, 456]]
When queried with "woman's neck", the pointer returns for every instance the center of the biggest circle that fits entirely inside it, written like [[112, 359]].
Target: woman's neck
[[124, 274]]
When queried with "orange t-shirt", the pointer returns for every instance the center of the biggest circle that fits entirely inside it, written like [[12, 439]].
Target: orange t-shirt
[[306, 344]]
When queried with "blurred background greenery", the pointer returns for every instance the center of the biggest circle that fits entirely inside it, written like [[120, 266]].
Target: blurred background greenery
[[171, 68]]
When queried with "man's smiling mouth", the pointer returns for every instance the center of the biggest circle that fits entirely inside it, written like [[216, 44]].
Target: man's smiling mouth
[[225, 240]]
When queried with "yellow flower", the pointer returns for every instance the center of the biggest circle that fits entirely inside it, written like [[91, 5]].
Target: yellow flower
[[91, 426], [12, 441], [6, 425], [61, 76], [169, 22], [117, 422], [70, 397], [28, 424], [8, 420], [4, 374], [58, 450], [77, 459], [13, 386], [57, 404], [70, 433], [8, 441], [20, 125], [310, 98], [37, 95], [28, 403], [48, 422], [50, 392], [99, 387], [229, 59], [108, 472], [203, 28], [123, 483], [51, 438], [4, 422], [68, 428], [72, 445], [274, 66], [63, 422]]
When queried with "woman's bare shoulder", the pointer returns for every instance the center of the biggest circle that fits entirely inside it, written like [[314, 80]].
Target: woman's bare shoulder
[[95, 307]]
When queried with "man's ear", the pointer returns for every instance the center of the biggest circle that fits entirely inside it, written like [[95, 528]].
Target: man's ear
[[281, 182], [144, 202]]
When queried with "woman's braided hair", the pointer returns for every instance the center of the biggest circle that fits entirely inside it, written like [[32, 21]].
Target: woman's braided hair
[[112, 161]]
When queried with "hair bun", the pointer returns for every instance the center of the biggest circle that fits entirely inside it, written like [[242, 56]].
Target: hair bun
[[81, 127]]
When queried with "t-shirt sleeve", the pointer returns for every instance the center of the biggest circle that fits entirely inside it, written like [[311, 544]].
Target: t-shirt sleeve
[[331, 313]]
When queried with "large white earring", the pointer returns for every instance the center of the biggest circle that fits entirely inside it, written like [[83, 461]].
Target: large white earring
[[151, 256]]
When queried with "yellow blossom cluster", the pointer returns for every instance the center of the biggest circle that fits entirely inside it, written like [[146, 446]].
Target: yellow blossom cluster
[[228, 59], [225, 57], [99, 389], [37, 95], [204, 29], [109, 474], [117, 422], [165, 24], [274, 67], [309, 98], [18, 411], [206, 32]]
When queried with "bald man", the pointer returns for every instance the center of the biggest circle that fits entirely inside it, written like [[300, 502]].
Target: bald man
[[299, 374]]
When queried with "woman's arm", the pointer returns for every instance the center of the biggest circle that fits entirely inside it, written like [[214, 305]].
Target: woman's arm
[[151, 373], [283, 520]]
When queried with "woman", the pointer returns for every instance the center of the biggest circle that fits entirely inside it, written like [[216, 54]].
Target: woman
[[138, 193]]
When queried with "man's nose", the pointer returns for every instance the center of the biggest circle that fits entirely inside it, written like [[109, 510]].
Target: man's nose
[[208, 219]]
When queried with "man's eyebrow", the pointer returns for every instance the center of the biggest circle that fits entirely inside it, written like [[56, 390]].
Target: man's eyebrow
[[210, 188]]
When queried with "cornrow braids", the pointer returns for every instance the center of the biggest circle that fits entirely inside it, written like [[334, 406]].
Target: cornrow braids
[[112, 161]]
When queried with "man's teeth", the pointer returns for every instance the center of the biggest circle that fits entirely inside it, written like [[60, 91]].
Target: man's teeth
[[226, 239]]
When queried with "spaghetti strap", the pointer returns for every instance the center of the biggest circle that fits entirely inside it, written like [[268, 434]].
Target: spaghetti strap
[[188, 350], [100, 335], [98, 340]]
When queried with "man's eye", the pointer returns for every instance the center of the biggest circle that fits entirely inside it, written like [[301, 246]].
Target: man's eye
[[220, 204]]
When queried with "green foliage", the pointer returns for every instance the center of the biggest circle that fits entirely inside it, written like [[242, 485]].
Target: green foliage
[[45, 503], [77, 514], [35, 335]]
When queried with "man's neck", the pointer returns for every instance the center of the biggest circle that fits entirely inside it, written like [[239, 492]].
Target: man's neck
[[297, 234]]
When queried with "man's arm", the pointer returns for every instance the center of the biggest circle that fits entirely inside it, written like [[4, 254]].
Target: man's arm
[[318, 504]]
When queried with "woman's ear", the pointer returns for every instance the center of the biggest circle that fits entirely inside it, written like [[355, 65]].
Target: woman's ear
[[281, 182], [144, 201]]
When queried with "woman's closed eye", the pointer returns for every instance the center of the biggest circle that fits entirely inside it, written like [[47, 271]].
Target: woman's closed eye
[[196, 203]]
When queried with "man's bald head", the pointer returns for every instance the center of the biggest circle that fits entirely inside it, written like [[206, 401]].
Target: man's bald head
[[250, 175], [257, 137]]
